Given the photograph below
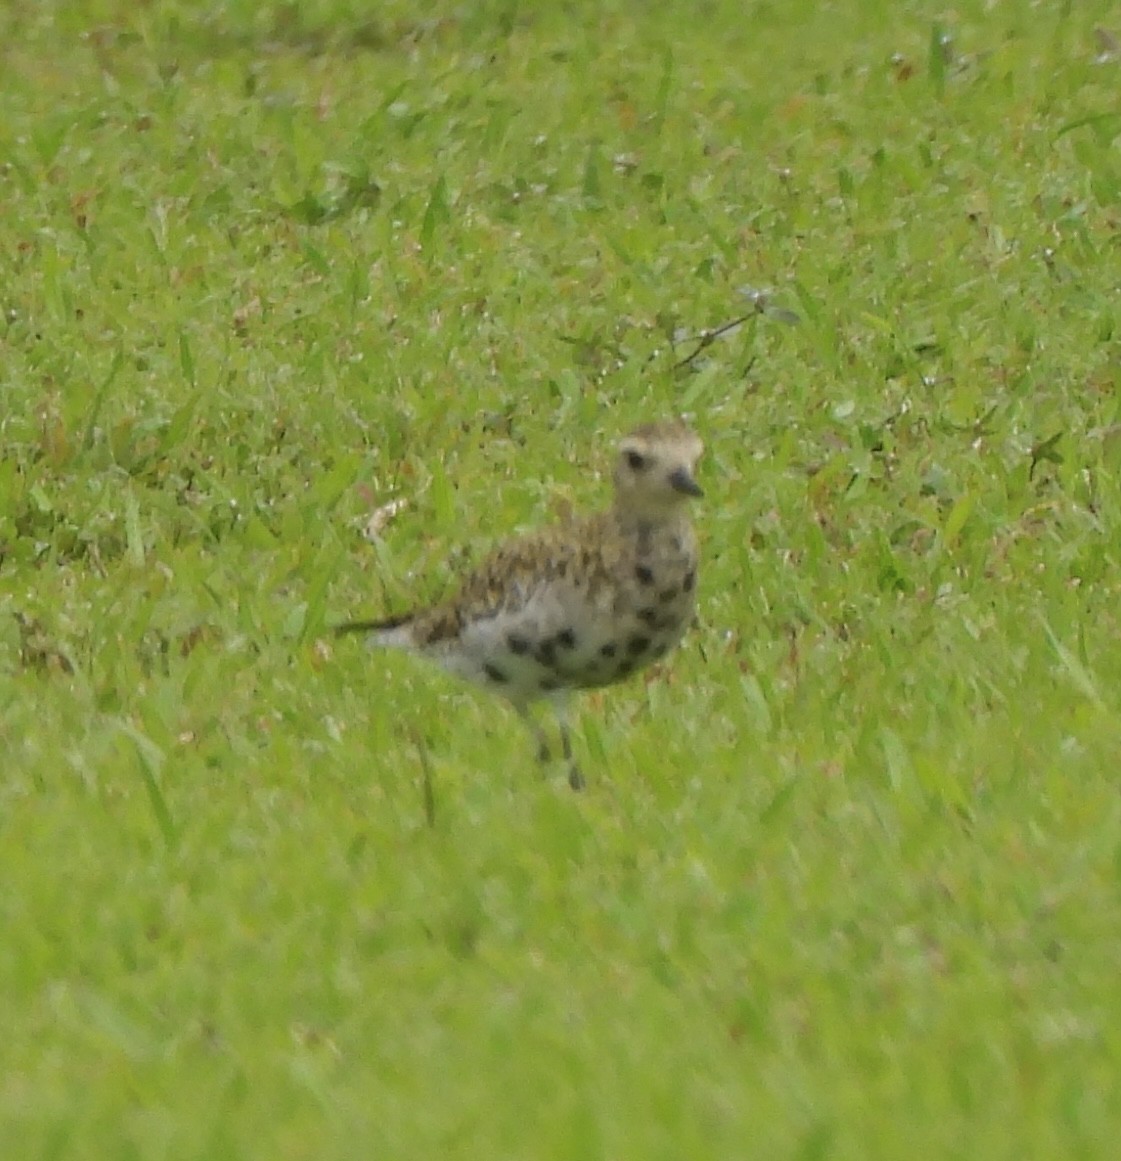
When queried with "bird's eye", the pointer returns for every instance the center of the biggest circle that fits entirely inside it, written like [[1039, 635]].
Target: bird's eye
[[636, 460]]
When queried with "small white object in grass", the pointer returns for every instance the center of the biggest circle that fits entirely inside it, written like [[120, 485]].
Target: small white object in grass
[[380, 517]]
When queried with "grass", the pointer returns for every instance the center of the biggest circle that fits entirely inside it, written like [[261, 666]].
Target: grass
[[845, 882]]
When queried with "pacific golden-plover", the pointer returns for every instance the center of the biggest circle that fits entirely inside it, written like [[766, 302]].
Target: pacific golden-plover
[[579, 605]]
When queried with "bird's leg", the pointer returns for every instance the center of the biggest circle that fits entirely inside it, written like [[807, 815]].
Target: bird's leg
[[543, 753], [575, 778]]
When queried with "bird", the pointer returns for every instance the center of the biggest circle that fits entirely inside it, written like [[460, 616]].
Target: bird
[[576, 606]]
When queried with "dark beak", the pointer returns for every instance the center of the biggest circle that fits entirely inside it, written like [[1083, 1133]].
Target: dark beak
[[682, 482]]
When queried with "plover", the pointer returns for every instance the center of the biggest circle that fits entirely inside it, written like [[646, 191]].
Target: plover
[[577, 606]]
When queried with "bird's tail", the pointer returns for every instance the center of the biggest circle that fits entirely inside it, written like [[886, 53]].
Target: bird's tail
[[389, 631]]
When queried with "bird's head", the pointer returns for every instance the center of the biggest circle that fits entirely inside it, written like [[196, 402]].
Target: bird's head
[[656, 468]]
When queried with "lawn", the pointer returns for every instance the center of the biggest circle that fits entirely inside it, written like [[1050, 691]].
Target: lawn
[[304, 306]]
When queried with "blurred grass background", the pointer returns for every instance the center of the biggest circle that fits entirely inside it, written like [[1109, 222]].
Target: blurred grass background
[[845, 883]]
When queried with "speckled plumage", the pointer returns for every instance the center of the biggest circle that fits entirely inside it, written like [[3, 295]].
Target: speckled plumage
[[580, 605]]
